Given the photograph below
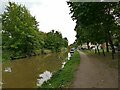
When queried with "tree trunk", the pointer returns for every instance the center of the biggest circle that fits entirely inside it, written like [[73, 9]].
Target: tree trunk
[[103, 51], [111, 44], [107, 49], [98, 50], [109, 36], [95, 51], [88, 45], [42, 51]]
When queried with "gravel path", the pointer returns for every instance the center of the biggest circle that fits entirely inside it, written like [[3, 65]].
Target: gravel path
[[92, 73]]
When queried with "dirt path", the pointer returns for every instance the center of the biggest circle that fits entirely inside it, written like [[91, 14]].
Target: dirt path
[[93, 74]]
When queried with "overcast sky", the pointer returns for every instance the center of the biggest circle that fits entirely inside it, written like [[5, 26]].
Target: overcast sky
[[51, 14]]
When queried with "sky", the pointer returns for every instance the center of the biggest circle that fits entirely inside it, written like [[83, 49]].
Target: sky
[[51, 14]]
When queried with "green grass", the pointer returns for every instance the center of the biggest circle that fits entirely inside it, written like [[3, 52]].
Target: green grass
[[63, 77], [93, 51], [5, 56], [107, 59]]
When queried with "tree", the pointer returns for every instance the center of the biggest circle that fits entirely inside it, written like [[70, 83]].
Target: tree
[[21, 36], [65, 42], [54, 41], [19, 30], [98, 18]]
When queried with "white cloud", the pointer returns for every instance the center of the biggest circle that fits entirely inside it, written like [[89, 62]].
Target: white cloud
[[52, 14]]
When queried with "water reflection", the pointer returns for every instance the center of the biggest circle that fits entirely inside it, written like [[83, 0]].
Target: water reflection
[[68, 58], [44, 77], [69, 55], [1, 85], [25, 71], [63, 64], [8, 69]]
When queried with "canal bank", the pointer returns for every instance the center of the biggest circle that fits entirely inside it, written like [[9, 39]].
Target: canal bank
[[64, 77]]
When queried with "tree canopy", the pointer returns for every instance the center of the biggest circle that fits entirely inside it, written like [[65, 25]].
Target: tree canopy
[[96, 22], [95, 18], [21, 35]]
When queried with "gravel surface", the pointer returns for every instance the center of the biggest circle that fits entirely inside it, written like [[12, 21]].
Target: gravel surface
[[92, 73]]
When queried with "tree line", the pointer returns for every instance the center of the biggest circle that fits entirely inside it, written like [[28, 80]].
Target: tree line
[[97, 22], [21, 36]]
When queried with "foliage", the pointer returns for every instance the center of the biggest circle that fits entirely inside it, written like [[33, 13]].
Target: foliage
[[19, 30], [65, 42], [54, 41], [21, 36], [96, 22]]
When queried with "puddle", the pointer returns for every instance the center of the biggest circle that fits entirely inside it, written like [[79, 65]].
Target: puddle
[[44, 77]]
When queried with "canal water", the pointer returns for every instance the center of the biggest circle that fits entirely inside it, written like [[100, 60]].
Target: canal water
[[26, 72]]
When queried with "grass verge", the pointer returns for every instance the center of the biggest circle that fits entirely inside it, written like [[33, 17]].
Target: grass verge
[[63, 77], [107, 59]]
